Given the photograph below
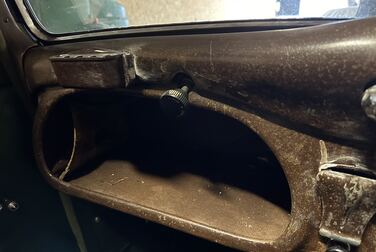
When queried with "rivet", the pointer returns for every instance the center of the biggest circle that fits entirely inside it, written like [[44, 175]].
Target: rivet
[[97, 219], [13, 206], [369, 102]]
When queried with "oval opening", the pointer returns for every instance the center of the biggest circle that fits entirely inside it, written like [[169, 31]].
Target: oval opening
[[205, 167]]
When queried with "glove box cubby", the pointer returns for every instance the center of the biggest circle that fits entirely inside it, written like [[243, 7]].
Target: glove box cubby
[[205, 173]]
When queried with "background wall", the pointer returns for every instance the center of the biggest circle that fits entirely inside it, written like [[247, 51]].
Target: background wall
[[178, 11], [171, 11]]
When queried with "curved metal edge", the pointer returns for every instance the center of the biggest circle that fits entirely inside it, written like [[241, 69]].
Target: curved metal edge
[[305, 206]]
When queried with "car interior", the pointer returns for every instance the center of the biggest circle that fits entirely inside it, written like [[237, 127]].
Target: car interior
[[173, 125]]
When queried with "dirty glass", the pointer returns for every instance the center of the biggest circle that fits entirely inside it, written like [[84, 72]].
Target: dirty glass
[[69, 16]]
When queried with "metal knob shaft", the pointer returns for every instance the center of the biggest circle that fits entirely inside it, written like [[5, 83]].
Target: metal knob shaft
[[334, 246]]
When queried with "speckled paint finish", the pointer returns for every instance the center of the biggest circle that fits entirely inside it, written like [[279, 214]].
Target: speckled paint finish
[[300, 156], [298, 89]]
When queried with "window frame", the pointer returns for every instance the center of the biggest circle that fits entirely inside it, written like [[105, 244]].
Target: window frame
[[37, 29]]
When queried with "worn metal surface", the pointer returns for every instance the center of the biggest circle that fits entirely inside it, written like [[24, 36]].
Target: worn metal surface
[[116, 200], [299, 154], [300, 90], [348, 202], [106, 69], [308, 79], [192, 198]]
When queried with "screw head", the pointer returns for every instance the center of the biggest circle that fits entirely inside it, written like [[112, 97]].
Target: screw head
[[97, 219], [12, 206], [369, 102]]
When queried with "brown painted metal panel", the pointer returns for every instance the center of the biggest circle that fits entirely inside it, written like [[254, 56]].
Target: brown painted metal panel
[[298, 89]]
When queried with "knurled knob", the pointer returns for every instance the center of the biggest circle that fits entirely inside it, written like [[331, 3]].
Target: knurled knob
[[174, 102]]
